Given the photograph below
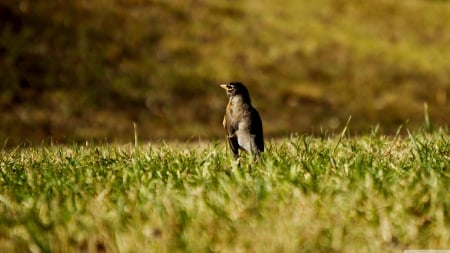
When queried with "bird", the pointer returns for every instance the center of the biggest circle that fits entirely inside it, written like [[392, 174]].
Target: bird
[[242, 122]]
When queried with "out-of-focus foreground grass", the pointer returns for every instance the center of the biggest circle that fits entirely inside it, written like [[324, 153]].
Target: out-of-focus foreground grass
[[365, 194], [88, 69]]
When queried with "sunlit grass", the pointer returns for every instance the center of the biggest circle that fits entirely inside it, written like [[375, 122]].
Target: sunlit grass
[[366, 194]]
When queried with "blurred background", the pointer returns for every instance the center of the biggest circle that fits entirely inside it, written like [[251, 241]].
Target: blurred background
[[86, 70]]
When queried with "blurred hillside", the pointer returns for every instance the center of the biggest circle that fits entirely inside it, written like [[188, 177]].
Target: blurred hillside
[[77, 70]]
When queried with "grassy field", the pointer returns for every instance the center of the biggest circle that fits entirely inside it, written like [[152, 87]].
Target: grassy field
[[89, 69], [331, 193], [72, 71]]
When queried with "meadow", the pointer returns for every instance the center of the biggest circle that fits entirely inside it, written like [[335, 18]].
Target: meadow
[[329, 193], [72, 71], [84, 70]]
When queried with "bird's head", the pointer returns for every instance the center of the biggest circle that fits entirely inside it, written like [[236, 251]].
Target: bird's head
[[234, 89]]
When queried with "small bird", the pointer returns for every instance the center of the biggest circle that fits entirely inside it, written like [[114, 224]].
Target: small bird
[[242, 122]]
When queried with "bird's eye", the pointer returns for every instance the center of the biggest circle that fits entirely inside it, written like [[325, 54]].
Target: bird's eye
[[230, 87]]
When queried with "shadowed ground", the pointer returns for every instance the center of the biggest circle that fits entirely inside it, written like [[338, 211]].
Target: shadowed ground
[[88, 70]]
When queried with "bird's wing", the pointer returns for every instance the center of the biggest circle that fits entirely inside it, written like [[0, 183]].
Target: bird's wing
[[256, 129]]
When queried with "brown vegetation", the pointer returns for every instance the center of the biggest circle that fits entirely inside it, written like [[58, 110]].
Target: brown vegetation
[[78, 70]]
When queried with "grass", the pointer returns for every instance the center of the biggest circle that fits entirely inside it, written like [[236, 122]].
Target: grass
[[308, 194]]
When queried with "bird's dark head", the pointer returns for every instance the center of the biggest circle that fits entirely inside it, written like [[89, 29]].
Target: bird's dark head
[[236, 89]]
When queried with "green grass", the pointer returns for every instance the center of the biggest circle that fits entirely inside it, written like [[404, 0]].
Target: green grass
[[308, 194]]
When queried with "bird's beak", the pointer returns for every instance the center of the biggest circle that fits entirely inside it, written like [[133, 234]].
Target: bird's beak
[[223, 86]]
